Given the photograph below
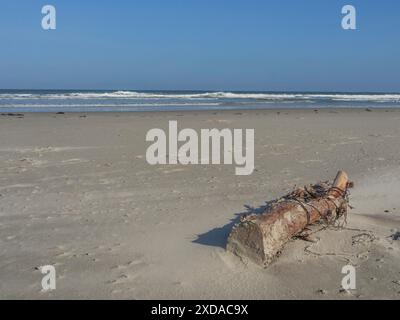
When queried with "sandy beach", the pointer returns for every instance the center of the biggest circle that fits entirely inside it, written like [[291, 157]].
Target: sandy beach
[[77, 193]]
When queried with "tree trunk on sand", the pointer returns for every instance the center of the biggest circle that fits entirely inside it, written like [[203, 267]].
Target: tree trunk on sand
[[261, 237]]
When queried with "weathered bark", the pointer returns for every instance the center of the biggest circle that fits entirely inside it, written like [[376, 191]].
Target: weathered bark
[[261, 237]]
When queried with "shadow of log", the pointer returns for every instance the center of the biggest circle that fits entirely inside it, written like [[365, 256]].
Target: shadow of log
[[217, 237]]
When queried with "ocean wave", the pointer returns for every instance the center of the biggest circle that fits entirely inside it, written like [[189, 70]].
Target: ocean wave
[[130, 105], [203, 96], [145, 95]]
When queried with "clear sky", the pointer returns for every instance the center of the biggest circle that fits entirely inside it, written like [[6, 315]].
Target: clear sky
[[271, 45]]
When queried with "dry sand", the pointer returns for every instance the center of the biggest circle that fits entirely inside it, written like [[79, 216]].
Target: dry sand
[[76, 192]]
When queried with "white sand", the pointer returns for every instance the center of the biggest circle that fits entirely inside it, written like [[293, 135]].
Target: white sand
[[77, 193]]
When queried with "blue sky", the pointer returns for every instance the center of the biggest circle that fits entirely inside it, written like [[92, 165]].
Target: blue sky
[[276, 45]]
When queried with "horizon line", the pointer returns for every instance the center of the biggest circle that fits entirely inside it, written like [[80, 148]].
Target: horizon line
[[205, 90]]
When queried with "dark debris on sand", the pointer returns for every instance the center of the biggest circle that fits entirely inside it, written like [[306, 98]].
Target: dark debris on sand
[[18, 115]]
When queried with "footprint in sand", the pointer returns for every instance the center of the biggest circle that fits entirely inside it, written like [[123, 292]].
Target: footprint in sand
[[354, 247], [362, 239], [128, 271]]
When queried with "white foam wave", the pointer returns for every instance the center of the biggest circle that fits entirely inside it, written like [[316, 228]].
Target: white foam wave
[[130, 105], [146, 95], [203, 96]]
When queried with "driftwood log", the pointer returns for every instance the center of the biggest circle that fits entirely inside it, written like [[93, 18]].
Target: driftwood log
[[261, 237]]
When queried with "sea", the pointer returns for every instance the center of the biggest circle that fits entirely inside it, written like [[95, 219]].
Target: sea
[[12, 101]]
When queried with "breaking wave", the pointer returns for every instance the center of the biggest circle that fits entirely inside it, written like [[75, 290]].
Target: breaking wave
[[203, 96]]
